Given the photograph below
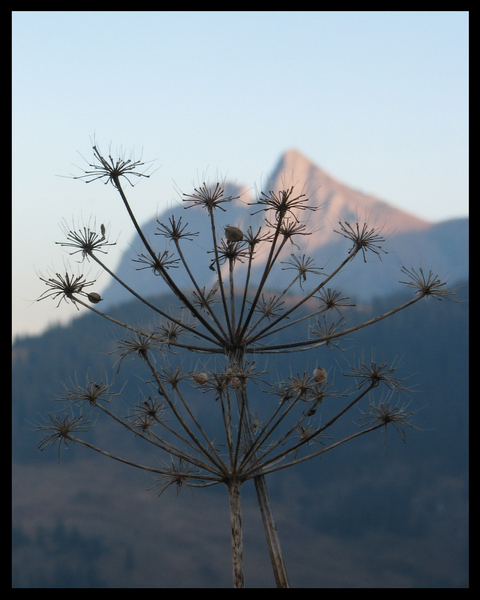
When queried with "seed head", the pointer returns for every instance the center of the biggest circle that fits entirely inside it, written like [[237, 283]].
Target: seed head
[[426, 285], [111, 170], [85, 241], [387, 414], [66, 287], [363, 239], [283, 203], [61, 431], [208, 197]]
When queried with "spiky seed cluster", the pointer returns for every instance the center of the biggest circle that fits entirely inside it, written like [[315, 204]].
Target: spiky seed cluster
[[205, 300], [66, 287], [283, 203], [271, 307], [308, 387], [330, 332], [208, 198], [333, 299], [138, 345], [303, 265], [289, 228], [229, 252], [91, 394], [173, 375], [159, 263], [385, 414], [86, 241], [363, 238], [112, 170], [302, 384], [177, 475], [253, 239], [148, 413], [373, 374], [307, 435], [426, 285], [175, 231], [170, 331], [61, 430]]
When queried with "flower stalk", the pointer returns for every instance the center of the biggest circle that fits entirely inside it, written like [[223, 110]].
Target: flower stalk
[[231, 322]]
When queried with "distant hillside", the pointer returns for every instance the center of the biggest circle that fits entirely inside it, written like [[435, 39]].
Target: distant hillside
[[388, 515], [430, 339], [410, 241]]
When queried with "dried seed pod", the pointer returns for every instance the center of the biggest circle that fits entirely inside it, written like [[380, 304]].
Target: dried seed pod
[[233, 234], [94, 297], [200, 378], [102, 230], [320, 375], [236, 383]]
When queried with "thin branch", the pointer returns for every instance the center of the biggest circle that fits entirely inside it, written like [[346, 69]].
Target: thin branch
[[297, 461], [199, 291], [156, 309], [137, 465], [179, 418], [305, 344], [175, 289], [314, 433], [215, 457], [161, 443], [304, 299]]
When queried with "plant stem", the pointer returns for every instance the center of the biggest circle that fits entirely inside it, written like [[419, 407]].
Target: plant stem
[[233, 486], [271, 533]]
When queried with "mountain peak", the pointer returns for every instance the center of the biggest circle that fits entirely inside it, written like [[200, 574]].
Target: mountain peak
[[408, 236], [293, 157], [294, 168], [338, 201]]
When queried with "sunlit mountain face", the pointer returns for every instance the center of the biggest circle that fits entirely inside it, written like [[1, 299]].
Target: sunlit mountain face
[[408, 240]]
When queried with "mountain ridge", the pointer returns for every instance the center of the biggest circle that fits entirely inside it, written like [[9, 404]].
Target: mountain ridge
[[294, 167], [407, 237]]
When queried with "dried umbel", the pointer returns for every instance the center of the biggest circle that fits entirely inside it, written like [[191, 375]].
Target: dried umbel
[[241, 316]]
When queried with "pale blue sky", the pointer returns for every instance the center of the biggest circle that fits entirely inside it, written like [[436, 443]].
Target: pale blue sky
[[378, 99]]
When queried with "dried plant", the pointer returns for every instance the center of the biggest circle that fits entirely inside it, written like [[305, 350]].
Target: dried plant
[[267, 424]]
